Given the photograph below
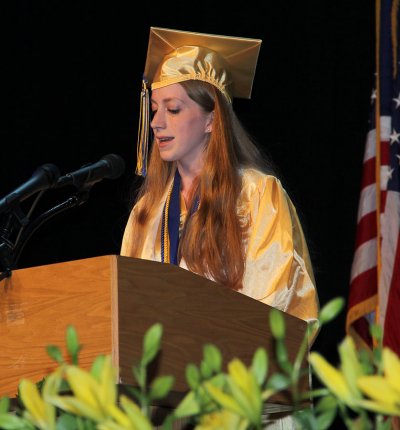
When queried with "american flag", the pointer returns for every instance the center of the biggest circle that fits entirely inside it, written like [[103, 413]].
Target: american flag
[[375, 276]]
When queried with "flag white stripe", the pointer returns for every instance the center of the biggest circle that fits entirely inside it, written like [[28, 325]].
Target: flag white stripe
[[370, 146], [368, 194], [390, 226], [367, 201], [386, 128], [364, 258]]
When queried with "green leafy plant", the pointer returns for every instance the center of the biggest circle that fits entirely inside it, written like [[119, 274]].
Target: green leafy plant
[[364, 390]]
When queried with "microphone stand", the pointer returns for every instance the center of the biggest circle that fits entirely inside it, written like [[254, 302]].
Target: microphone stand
[[6, 247], [9, 252]]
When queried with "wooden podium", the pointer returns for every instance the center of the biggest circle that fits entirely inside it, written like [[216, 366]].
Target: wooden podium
[[111, 301]]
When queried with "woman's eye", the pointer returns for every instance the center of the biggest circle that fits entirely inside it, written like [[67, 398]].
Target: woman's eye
[[174, 111]]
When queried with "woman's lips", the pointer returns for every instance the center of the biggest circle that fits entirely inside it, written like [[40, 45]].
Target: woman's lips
[[164, 141]]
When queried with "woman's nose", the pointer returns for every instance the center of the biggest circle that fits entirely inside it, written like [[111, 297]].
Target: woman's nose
[[157, 121]]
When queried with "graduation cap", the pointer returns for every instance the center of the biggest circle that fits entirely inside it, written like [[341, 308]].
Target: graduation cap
[[224, 61], [174, 56]]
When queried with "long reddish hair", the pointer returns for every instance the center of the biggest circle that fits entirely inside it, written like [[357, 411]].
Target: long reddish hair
[[212, 239]]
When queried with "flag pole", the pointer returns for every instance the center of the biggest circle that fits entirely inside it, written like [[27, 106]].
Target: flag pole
[[378, 149]]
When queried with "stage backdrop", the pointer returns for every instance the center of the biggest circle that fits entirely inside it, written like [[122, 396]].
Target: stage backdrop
[[78, 77]]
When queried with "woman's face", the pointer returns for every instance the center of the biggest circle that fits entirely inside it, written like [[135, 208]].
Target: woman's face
[[181, 127]]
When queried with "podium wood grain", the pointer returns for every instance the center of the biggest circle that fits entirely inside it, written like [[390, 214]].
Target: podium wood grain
[[112, 301], [37, 305]]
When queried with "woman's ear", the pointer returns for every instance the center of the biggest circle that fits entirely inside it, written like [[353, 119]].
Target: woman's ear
[[209, 122]]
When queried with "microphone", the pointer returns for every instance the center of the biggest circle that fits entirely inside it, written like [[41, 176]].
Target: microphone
[[110, 166], [43, 177]]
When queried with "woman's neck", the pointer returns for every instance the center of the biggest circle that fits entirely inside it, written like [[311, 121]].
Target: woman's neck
[[188, 176]]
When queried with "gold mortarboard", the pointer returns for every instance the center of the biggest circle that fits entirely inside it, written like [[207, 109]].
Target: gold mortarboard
[[173, 56], [236, 57]]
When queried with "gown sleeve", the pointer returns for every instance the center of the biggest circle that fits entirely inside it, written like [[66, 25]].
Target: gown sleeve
[[278, 267]]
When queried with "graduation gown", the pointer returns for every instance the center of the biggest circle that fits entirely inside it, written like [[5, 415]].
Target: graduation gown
[[278, 269]]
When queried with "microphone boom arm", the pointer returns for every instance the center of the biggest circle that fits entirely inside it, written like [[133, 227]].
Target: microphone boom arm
[[15, 252]]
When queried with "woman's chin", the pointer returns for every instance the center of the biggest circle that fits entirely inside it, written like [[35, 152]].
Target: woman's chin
[[165, 156]]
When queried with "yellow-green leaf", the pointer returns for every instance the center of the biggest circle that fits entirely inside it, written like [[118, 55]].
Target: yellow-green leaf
[[380, 408], [332, 378], [84, 386], [225, 400], [32, 400], [350, 365], [135, 415], [391, 366], [76, 407], [379, 389], [107, 388]]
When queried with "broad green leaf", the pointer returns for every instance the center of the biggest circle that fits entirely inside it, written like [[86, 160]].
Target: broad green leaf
[[168, 423], [282, 356], [55, 353], [219, 380], [66, 422], [376, 332], [326, 403], [11, 422], [213, 357], [161, 386], [306, 420], [386, 424], [136, 393], [259, 365], [97, 367], [331, 310], [325, 419], [73, 346], [4, 405], [140, 375], [205, 370], [377, 354], [192, 376], [327, 409], [187, 407], [278, 382], [277, 323], [366, 363], [151, 343]]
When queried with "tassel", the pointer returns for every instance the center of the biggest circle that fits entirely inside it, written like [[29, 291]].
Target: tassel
[[143, 132]]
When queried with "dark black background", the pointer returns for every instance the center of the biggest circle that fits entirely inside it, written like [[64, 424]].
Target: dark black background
[[76, 98]]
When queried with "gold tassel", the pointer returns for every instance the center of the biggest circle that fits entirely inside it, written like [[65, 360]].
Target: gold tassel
[[143, 132]]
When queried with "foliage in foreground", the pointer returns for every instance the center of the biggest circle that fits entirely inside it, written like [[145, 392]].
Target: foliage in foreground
[[364, 390]]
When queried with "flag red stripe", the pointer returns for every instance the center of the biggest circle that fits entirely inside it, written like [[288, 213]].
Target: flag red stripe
[[368, 177], [392, 320], [366, 229], [385, 153], [363, 287], [362, 328]]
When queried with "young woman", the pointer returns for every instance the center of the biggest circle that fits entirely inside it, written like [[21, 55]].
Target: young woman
[[208, 203]]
